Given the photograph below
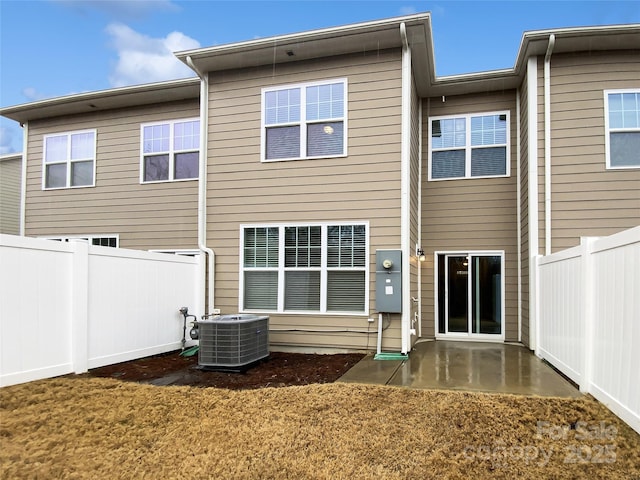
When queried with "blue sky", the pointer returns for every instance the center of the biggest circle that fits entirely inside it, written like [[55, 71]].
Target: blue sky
[[50, 48]]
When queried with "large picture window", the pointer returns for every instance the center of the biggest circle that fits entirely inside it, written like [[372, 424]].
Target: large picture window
[[170, 151], [469, 146], [622, 124], [304, 121], [317, 268], [69, 160]]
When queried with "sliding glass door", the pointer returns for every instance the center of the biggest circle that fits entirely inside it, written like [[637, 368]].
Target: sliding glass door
[[470, 291]]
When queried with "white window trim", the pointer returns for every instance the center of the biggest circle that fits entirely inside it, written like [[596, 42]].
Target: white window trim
[[89, 238], [303, 122], [468, 147], [171, 151], [607, 130], [68, 160], [323, 269]]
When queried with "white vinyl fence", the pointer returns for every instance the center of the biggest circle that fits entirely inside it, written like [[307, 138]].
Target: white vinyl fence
[[589, 325], [68, 307]]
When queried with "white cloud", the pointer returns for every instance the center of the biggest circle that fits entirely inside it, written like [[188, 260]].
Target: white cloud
[[143, 59], [408, 10], [120, 9], [6, 140], [32, 94]]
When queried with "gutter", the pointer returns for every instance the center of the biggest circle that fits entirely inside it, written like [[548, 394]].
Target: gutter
[[202, 184], [547, 145], [405, 199], [23, 179], [532, 200]]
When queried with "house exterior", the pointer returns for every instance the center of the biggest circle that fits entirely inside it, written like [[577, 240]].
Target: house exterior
[[10, 188], [335, 183]]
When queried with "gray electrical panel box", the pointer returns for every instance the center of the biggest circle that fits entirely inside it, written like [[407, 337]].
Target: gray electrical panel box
[[389, 281]]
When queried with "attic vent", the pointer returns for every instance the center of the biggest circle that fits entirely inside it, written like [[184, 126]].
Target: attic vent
[[233, 342]]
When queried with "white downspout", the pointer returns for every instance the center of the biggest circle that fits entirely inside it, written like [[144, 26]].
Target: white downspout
[[420, 217], [532, 200], [202, 182], [23, 180], [547, 145], [518, 211], [405, 199]]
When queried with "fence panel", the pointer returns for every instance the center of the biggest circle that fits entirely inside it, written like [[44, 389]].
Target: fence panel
[[615, 378], [589, 322], [67, 307], [35, 312], [561, 332], [134, 301]]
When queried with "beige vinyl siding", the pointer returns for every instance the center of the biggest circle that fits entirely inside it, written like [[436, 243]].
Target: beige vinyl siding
[[10, 188], [470, 214], [364, 186], [524, 211], [414, 221], [587, 199], [541, 140], [150, 216]]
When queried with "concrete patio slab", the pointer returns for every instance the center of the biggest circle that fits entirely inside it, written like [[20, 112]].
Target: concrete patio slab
[[466, 366]]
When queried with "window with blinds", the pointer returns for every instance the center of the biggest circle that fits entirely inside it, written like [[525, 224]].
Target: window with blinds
[[469, 146], [304, 121], [317, 268], [622, 122]]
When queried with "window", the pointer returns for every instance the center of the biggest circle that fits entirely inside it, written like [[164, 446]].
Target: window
[[469, 146], [305, 268], [103, 241], [69, 160], [304, 121], [622, 125], [170, 151]]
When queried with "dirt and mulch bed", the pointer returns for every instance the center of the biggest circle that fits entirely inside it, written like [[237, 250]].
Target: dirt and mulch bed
[[279, 370], [85, 427]]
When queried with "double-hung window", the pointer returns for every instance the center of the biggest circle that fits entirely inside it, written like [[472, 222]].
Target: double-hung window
[[469, 146], [170, 151], [69, 160], [319, 268], [622, 124], [304, 121]]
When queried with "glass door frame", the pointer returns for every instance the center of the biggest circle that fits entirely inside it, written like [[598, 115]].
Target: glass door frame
[[489, 337]]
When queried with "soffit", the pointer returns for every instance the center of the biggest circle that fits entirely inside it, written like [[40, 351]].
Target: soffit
[[325, 43], [147, 94]]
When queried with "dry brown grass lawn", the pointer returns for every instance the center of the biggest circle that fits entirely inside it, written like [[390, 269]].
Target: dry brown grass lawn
[[102, 428]]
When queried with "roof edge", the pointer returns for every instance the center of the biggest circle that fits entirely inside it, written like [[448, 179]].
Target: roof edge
[[307, 35], [98, 94]]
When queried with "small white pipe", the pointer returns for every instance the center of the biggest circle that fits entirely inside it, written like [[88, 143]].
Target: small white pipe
[[379, 349], [547, 145], [518, 211], [202, 183], [420, 216]]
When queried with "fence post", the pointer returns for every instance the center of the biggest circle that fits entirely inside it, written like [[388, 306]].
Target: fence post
[[588, 294], [80, 306]]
